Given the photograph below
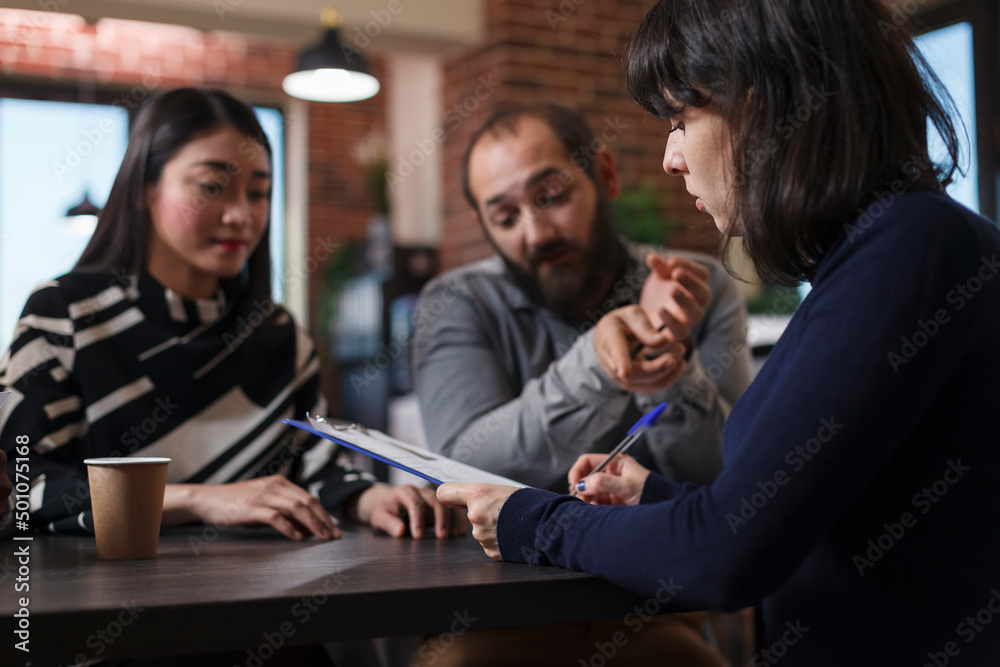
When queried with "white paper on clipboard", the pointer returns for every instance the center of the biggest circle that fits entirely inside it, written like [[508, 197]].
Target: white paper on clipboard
[[433, 467]]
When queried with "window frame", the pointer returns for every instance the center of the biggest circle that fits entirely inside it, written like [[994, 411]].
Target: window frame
[[984, 17], [43, 92]]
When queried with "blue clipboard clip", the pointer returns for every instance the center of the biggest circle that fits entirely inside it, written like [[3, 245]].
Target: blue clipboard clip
[[338, 424]]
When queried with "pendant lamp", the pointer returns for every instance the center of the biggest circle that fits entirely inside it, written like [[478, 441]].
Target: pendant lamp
[[331, 71]]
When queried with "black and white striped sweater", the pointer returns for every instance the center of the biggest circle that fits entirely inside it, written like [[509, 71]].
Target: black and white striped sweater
[[103, 364]]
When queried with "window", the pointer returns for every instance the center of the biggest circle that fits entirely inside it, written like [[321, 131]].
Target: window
[[51, 154], [949, 53], [274, 128], [960, 40]]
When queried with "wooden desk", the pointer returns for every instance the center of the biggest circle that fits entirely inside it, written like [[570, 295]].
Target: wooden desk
[[202, 595]]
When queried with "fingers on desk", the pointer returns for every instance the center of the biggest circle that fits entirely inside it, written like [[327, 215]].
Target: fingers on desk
[[390, 517], [415, 507], [308, 513], [442, 514], [298, 510]]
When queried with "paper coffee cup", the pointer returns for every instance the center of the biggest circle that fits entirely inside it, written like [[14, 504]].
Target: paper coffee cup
[[127, 498]]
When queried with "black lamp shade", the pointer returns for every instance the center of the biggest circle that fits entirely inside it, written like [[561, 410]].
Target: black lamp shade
[[86, 207], [331, 71]]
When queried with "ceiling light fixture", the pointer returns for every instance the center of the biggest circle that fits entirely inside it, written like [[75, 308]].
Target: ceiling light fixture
[[331, 71]]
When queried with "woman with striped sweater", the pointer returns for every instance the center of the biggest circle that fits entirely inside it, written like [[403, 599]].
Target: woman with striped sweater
[[163, 341]]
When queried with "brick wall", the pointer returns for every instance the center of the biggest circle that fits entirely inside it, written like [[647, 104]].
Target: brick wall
[[130, 60], [571, 52], [64, 48]]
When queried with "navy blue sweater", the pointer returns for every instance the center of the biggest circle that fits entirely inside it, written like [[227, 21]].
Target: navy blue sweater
[[860, 498]]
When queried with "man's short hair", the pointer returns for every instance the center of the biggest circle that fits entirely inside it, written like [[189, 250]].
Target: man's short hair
[[568, 125]]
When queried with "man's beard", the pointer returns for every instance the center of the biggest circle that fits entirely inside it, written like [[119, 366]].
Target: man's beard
[[568, 288]]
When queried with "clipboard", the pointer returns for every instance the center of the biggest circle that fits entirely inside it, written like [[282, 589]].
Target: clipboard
[[434, 468]]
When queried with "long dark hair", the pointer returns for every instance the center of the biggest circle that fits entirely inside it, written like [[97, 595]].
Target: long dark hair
[[827, 102], [164, 125]]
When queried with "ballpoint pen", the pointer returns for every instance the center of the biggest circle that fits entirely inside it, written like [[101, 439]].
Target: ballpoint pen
[[633, 434]]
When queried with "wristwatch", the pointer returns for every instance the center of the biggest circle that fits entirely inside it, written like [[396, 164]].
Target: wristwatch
[[688, 348]]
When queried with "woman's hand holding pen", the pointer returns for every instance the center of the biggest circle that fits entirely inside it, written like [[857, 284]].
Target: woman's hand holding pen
[[620, 483]]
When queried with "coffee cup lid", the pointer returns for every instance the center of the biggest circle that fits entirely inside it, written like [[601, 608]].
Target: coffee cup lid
[[126, 460]]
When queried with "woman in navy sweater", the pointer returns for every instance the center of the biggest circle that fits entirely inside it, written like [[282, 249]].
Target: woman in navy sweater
[[859, 498]]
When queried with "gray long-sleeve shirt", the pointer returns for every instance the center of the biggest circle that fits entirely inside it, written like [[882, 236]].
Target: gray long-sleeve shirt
[[511, 387]]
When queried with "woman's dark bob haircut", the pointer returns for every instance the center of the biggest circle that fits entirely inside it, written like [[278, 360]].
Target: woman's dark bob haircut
[[828, 102], [164, 125]]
